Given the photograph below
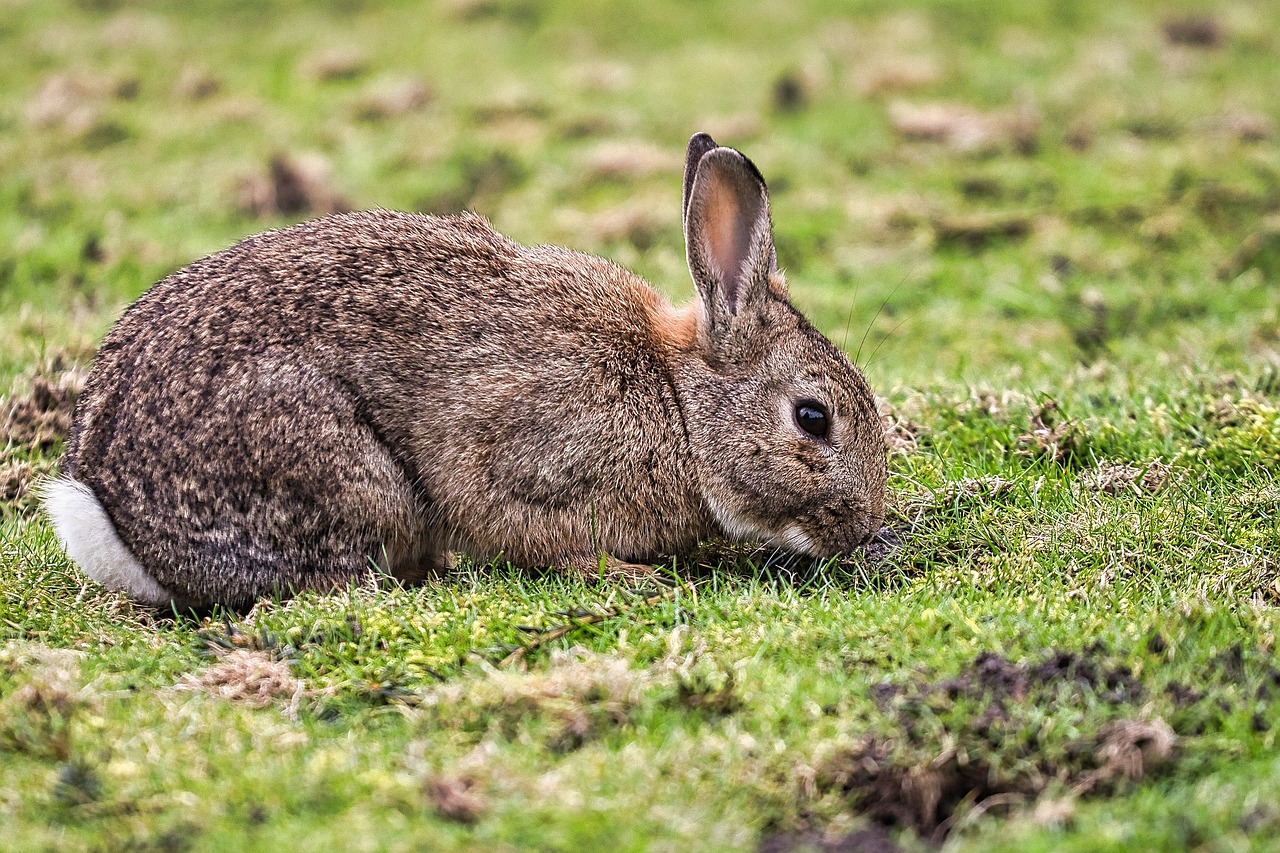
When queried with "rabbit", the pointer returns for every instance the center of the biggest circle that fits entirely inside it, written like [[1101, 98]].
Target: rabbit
[[372, 392]]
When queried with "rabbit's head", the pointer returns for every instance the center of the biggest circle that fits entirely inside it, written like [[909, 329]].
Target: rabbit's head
[[789, 443]]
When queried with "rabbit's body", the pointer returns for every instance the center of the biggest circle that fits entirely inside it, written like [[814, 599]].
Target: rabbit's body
[[380, 389]]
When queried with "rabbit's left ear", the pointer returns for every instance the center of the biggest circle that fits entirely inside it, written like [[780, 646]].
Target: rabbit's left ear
[[728, 232], [699, 145]]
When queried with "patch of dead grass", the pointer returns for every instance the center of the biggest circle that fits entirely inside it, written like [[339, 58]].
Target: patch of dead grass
[[966, 129], [1118, 478], [894, 74], [1058, 441], [392, 97], [249, 677], [1129, 750], [638, 222], [735, 129], [72, 103], [35, 717], [132, 28], [334, 63], [628, 159], [601, 75], [16, 479], [977, 489], [579, 694], [1248, 126], [196, 84], [900, 432]]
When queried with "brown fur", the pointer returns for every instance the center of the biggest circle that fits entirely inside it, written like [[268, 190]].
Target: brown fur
[[385, 388]]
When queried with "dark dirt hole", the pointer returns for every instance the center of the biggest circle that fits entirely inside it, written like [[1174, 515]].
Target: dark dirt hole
[[42, 416], [789, 93], [456, 798], [292, 185], [1194, 31], [910, 782]]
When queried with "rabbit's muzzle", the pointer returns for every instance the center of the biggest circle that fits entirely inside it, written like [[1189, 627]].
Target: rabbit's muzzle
[[829, 531]]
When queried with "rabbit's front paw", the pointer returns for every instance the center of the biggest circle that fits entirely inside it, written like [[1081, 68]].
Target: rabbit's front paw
[[606, 568]]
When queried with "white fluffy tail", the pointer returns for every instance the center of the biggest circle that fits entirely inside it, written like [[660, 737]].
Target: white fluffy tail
[[90, 538]]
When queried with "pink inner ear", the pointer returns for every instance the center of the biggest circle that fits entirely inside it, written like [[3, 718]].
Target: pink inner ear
[[727, 238]]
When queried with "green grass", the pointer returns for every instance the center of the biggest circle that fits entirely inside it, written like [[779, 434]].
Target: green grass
[[1067, 301]]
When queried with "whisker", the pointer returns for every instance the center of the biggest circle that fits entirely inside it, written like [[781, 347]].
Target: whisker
[[871, 360], [901, 281], [853, 303]]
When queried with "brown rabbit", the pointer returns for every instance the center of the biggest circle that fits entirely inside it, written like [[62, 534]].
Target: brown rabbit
[[377, 390]]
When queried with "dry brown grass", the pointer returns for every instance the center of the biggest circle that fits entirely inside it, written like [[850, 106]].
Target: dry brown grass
[[250, 677], [72, 102], [35, 717], [335, 63], [392, 97], [900, 432], [895, 74], [16, 479], [966, 129], [1129, 750], [1117, 478], [629, 159]]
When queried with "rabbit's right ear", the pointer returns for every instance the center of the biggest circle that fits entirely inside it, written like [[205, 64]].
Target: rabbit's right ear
[[728, 238]]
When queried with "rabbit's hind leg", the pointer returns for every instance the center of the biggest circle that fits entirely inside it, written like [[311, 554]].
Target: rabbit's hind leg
[[274, 485], [430, 562]]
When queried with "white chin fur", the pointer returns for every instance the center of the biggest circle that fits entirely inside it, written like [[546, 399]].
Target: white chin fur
[[797, 540], [791, 537], [91, 541], [734, 528]]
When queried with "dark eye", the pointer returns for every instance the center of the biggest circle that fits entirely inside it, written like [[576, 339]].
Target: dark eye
[[813, 418]]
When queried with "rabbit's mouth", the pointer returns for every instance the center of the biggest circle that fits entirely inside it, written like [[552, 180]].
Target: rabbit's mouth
[[793, 537]]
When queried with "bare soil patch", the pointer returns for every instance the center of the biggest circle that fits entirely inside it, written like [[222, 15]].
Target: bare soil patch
[[40, 417], [909, 782]]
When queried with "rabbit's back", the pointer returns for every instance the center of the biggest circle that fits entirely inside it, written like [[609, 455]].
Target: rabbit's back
[[379, 292]]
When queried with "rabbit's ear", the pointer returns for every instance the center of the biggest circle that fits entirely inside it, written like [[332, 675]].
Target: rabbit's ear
[[728, 234], [699, 145]]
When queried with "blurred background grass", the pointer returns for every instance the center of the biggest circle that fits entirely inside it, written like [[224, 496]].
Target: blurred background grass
[[963, 191]]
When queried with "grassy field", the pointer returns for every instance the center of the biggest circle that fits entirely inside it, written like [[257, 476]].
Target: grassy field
[[1050, 233]]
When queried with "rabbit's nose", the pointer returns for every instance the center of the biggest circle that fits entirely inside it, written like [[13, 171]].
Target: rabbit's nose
[[881, 543]]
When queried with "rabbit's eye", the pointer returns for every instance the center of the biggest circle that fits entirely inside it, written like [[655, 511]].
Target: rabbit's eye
[[813, 418]]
